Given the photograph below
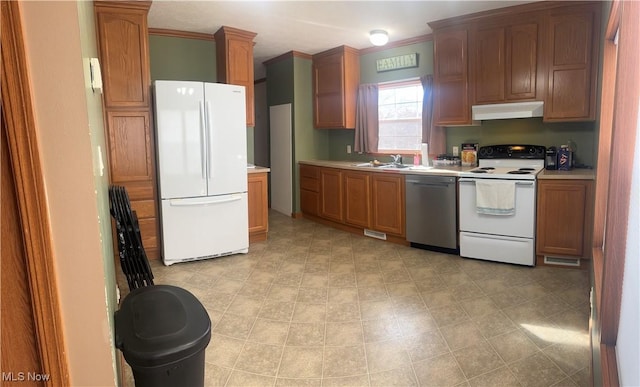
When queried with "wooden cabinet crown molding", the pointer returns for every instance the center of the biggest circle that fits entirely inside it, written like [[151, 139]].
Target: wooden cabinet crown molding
[[287, 55], [180, 34], [226, 32], [505, 12], [139, 5], [337, 50]]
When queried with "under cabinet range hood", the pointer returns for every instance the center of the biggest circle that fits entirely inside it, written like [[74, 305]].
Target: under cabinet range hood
[[502, 111]]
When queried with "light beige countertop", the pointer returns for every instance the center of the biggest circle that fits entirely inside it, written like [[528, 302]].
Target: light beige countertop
[[353, 165], [258, 169], [574, 174]]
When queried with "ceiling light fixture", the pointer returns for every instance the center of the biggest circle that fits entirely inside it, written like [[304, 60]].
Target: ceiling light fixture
[[378, 37]]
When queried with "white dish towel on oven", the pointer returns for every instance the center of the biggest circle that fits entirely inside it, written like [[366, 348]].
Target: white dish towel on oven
[[495, 197]]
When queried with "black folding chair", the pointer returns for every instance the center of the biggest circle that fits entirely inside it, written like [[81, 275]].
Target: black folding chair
[[133, 258]]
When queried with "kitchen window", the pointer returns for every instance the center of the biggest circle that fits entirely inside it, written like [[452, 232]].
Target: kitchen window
[[400, 116]]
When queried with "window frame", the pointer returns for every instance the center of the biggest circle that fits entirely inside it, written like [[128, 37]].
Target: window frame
[[395, 85]]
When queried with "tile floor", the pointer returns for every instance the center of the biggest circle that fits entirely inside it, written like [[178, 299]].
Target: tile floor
[[315, 306]]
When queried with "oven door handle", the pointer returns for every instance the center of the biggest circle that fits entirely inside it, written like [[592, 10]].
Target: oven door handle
[[517, 182]]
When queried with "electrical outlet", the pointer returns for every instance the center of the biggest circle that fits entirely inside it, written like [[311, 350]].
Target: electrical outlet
[[348, 148], [455, 150]]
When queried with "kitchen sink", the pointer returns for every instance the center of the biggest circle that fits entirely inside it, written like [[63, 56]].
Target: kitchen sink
[[395, 166]]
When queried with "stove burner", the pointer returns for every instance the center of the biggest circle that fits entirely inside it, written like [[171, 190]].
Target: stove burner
[[526, 169], [519, 172], [487, 168], [478, 171]]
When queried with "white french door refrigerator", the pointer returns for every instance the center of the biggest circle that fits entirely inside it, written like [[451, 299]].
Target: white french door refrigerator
[[202, 169]]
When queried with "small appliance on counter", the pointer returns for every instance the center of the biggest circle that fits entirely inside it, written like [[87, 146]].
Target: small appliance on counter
[[550, 161], [565, 158], [469, 155]]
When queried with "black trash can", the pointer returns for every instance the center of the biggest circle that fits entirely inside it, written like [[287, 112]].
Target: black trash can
[[163, 332]]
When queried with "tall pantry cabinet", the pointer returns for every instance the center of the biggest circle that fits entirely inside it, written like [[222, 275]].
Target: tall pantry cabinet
[[121, 28]]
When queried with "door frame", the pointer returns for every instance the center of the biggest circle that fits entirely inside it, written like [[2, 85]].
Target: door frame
[[620, 104], [17, 107]]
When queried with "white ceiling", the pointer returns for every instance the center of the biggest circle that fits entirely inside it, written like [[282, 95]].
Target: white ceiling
[[311, 26]]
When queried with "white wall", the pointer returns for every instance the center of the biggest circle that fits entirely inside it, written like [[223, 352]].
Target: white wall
[[628, 343]]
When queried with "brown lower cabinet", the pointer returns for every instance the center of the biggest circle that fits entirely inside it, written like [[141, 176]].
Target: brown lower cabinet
[[357, 198], [257, 185], [387, 203], [354, 200], [331, 194], [310, 190], [564, 213]]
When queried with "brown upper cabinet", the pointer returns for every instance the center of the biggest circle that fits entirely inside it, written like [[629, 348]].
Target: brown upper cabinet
[[234, 60], [504, 63], [336, 75], [572, 48], [544, 51], [451, 77], [123, 44]]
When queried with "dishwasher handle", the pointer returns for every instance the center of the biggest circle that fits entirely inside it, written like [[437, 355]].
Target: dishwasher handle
[[435, 185]]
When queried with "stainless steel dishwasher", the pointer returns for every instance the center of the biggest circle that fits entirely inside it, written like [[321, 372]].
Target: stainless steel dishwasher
[[432, 221]]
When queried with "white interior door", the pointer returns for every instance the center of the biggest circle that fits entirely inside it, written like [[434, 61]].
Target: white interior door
[[281, 158]]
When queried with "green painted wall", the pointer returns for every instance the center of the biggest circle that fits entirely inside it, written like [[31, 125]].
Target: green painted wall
[[182, 59], [529, 131], [289, 81], [280, 82], [340, 138], [185, 59]]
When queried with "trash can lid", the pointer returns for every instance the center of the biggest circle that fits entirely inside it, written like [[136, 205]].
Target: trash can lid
[[161, 324]]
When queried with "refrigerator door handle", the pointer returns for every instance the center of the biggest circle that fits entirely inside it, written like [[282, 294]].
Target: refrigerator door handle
[[203, 202], [209, 153], [203, 141]]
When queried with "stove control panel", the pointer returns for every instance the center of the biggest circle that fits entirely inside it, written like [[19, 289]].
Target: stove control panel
[[512, 151]]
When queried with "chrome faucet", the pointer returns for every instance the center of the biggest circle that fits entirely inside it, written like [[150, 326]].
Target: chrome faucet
[[397, 159]]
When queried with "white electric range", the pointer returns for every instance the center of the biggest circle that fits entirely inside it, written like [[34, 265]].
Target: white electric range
[[506, 233]]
